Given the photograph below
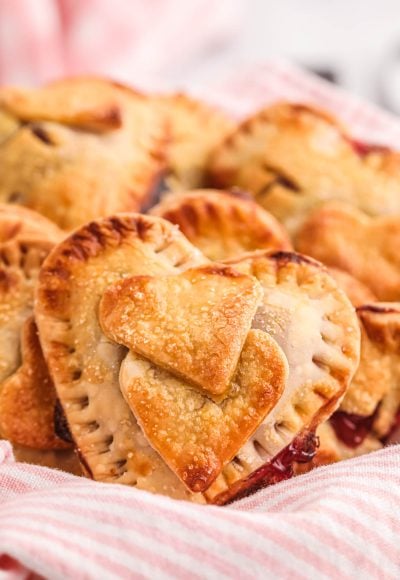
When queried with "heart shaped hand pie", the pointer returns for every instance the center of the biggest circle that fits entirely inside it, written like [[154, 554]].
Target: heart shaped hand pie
[[90, 147], [223, 224], [141, 278], [195, 435], [341, 236], [292, 157], [196, 326], [84, 363], [317, 329], [193, 324]]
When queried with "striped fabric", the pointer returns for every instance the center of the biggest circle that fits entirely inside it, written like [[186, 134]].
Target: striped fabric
[[256, 86], [340, 521], [336, 522]]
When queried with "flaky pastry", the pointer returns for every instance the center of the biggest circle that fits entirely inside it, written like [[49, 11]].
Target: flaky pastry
[[341, 236], [293, 156], [193, 325], [223, 224], [82, 148]]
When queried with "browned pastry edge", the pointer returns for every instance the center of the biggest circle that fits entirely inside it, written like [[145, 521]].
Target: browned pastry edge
[[28, 398], [223, 224]]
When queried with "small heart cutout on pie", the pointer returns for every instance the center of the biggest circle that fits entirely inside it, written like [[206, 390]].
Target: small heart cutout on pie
[[193, 324], [195, 435]]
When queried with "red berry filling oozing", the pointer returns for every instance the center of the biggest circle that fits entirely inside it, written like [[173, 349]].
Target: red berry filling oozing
[[301, 450], [351, 429]]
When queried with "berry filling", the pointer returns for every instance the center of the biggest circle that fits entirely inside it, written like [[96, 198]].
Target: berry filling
[[351, 429], [301, 450], [363, 149]]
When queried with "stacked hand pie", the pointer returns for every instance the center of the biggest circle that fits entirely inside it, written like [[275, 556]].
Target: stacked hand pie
[[198, 350]]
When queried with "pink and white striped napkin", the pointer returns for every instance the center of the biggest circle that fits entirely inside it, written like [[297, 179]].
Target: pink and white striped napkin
[[336, 522], [340, 521]]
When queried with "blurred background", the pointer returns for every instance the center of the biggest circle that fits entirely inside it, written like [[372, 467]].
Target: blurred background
[[170, 44]]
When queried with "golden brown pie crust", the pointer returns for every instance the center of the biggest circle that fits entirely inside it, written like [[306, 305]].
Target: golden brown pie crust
[[19, 267], [28, 398], [84, 147], [223, 224], [317, 329], [356, 291], [23, 224], [377, 380], [367, 248], [193, 325], [294, 156], [194, 434], [195, 129]]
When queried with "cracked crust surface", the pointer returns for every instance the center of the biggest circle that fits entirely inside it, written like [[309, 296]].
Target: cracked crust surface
[[84, 363], [293, 156], [367, 248], [317, 329], [195, 129], [83, 148], [223, 224]]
